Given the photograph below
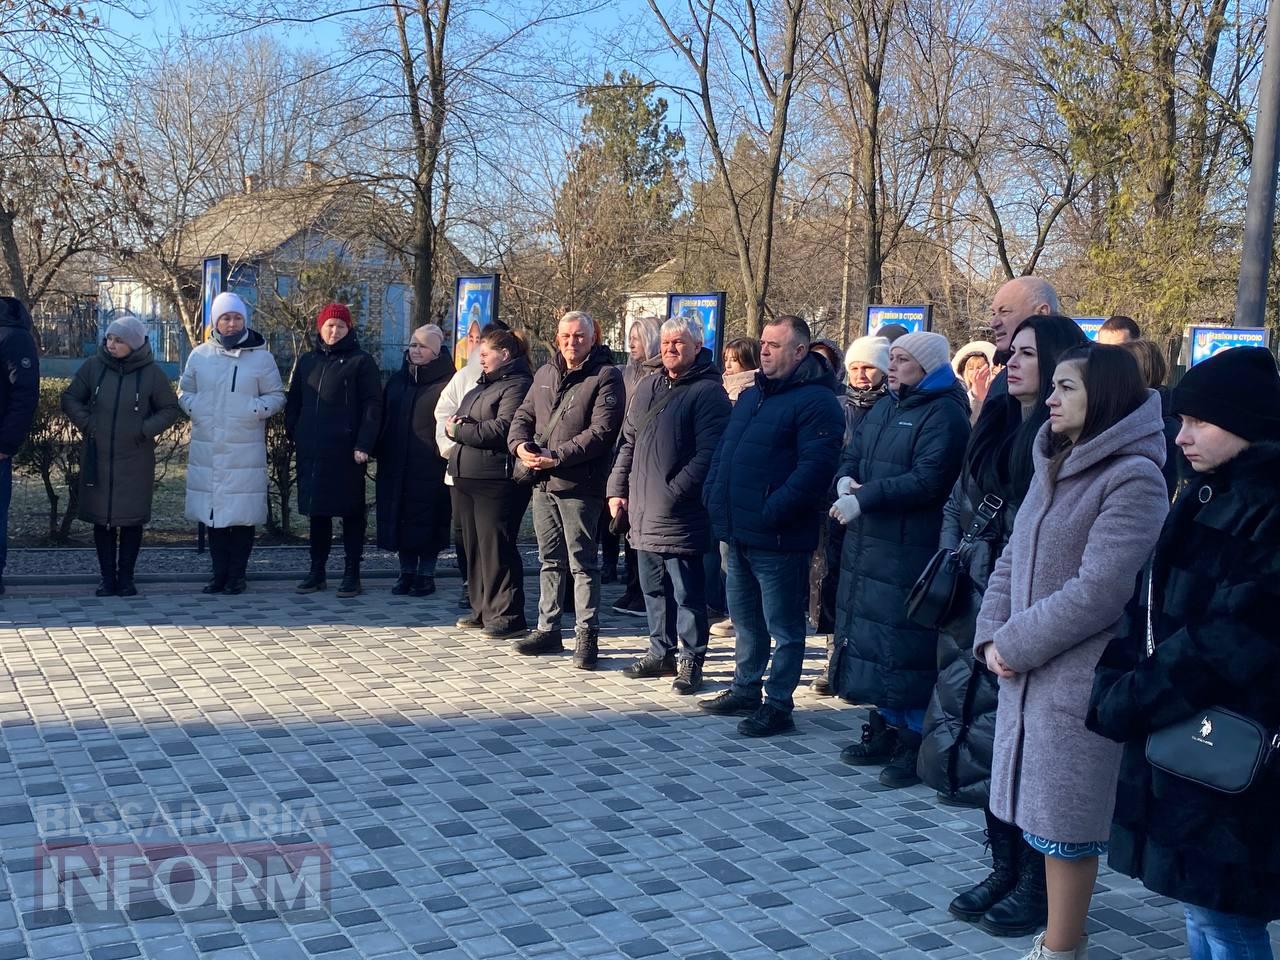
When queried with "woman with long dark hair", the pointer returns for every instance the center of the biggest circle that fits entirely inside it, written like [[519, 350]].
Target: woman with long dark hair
[[1056, 597], [959, 725], [488, 502]]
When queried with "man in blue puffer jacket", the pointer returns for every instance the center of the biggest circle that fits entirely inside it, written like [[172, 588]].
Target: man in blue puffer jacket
[[765, 493]]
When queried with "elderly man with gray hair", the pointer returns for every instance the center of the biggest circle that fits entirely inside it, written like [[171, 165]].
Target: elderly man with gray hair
[[563, 436], [670, 434]]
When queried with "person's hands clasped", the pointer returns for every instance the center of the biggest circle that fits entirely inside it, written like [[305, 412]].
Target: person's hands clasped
[[533, 458], [361, 457], [995, 664], [846, 486]]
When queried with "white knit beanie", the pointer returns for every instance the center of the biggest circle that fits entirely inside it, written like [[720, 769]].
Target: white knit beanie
[[228, 302], [872, 350], [930, 350]]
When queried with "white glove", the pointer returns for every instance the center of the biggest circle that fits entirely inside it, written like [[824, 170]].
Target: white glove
[[846, 509], [844, 486]]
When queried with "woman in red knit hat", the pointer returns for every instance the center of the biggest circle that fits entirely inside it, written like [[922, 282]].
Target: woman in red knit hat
[[332, 415]]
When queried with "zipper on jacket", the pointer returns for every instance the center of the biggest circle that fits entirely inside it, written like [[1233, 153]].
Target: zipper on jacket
[[234, 370], [111, 462]]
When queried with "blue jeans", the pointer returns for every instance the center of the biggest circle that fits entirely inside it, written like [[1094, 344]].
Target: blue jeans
[[912, 719], [1224, 936], [766, 591], [714, 563], [6, 495], [675, 602]]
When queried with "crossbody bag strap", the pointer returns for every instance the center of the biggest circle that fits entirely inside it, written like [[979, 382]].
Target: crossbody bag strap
[[983, 517], [653, 411], [557, 414]]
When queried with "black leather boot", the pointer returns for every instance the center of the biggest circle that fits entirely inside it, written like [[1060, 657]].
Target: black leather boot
[[350, 585], [876, 746], [314, 580], [404, 583], [1003, 840], [1026, 909], [424, 585]]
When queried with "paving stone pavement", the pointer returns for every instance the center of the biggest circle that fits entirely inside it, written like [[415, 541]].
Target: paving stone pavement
[[474, 803]]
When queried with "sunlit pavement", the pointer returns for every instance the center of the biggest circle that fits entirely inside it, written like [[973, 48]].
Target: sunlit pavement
[[399, 787]]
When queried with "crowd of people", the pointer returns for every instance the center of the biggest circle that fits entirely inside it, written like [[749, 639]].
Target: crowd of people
[[789, 481]]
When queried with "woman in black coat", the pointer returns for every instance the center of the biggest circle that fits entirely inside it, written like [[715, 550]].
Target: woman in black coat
[[866, 364], [1213, 642], [893, 481], [959, 724], [413, 501], [488, 502], [332, 415]]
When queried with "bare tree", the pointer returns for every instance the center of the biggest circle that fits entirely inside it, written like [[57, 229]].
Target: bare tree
[[714, 32]]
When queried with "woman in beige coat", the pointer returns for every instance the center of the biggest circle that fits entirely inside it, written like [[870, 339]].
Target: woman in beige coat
[[1084, 531]]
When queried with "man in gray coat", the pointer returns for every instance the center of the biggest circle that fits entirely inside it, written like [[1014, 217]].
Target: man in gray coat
[[670, 434]]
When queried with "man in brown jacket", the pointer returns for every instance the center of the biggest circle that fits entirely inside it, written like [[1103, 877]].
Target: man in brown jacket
[[563, 434]]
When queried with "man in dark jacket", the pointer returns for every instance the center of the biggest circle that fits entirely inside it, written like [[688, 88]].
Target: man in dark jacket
[[19, 394], [564, 434], [766, 493], [673, 426]]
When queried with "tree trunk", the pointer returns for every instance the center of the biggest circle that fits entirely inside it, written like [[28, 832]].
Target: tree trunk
[[846, 277], [15, 278]]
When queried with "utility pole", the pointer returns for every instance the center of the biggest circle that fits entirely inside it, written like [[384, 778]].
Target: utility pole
[[1260, 210]]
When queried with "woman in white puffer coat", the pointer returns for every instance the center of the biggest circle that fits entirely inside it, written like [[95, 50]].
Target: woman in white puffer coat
[[230, 388]]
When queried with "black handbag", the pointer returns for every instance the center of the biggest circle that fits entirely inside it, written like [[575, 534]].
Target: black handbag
[[1216, 748], [933, 598]]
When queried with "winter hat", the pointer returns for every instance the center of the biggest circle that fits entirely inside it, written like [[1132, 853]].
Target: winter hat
[[130, 329], [978, 348], [930, 350], [228, 302], [432, 333], [892, 331], [1237, 390], [872, 350], [337, 311]]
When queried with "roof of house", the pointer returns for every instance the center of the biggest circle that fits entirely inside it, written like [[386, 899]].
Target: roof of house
[[250, 226]]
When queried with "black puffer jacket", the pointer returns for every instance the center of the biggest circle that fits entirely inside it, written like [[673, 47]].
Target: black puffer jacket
[[481, 453], [583, 438], [662, 468], [906, 454], [1216, 592], [413, 501], [333, 409], [960, 723], [19, 375], [770, 474]]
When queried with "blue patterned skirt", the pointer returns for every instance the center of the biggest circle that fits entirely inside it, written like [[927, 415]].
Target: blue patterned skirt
[[1065, 851]]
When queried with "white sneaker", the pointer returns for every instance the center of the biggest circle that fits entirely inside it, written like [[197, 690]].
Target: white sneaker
[[722, 628], [1040, 952]]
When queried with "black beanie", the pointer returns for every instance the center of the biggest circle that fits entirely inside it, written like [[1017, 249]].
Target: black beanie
[[1237, 390]]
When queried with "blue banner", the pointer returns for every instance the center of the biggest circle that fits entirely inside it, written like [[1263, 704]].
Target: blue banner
[[1090, 326], [1210, 341], [916, 318], [475, 306], [707, 309], [213, 275]]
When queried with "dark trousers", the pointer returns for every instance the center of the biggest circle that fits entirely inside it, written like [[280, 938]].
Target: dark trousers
[[423, 564], [633, 572], [490, 512], [229, 549], [714, 564], [459, 549], [117, 551], [6, 495], [608, 542], [675, 602], [353, 528], [824, 576]]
